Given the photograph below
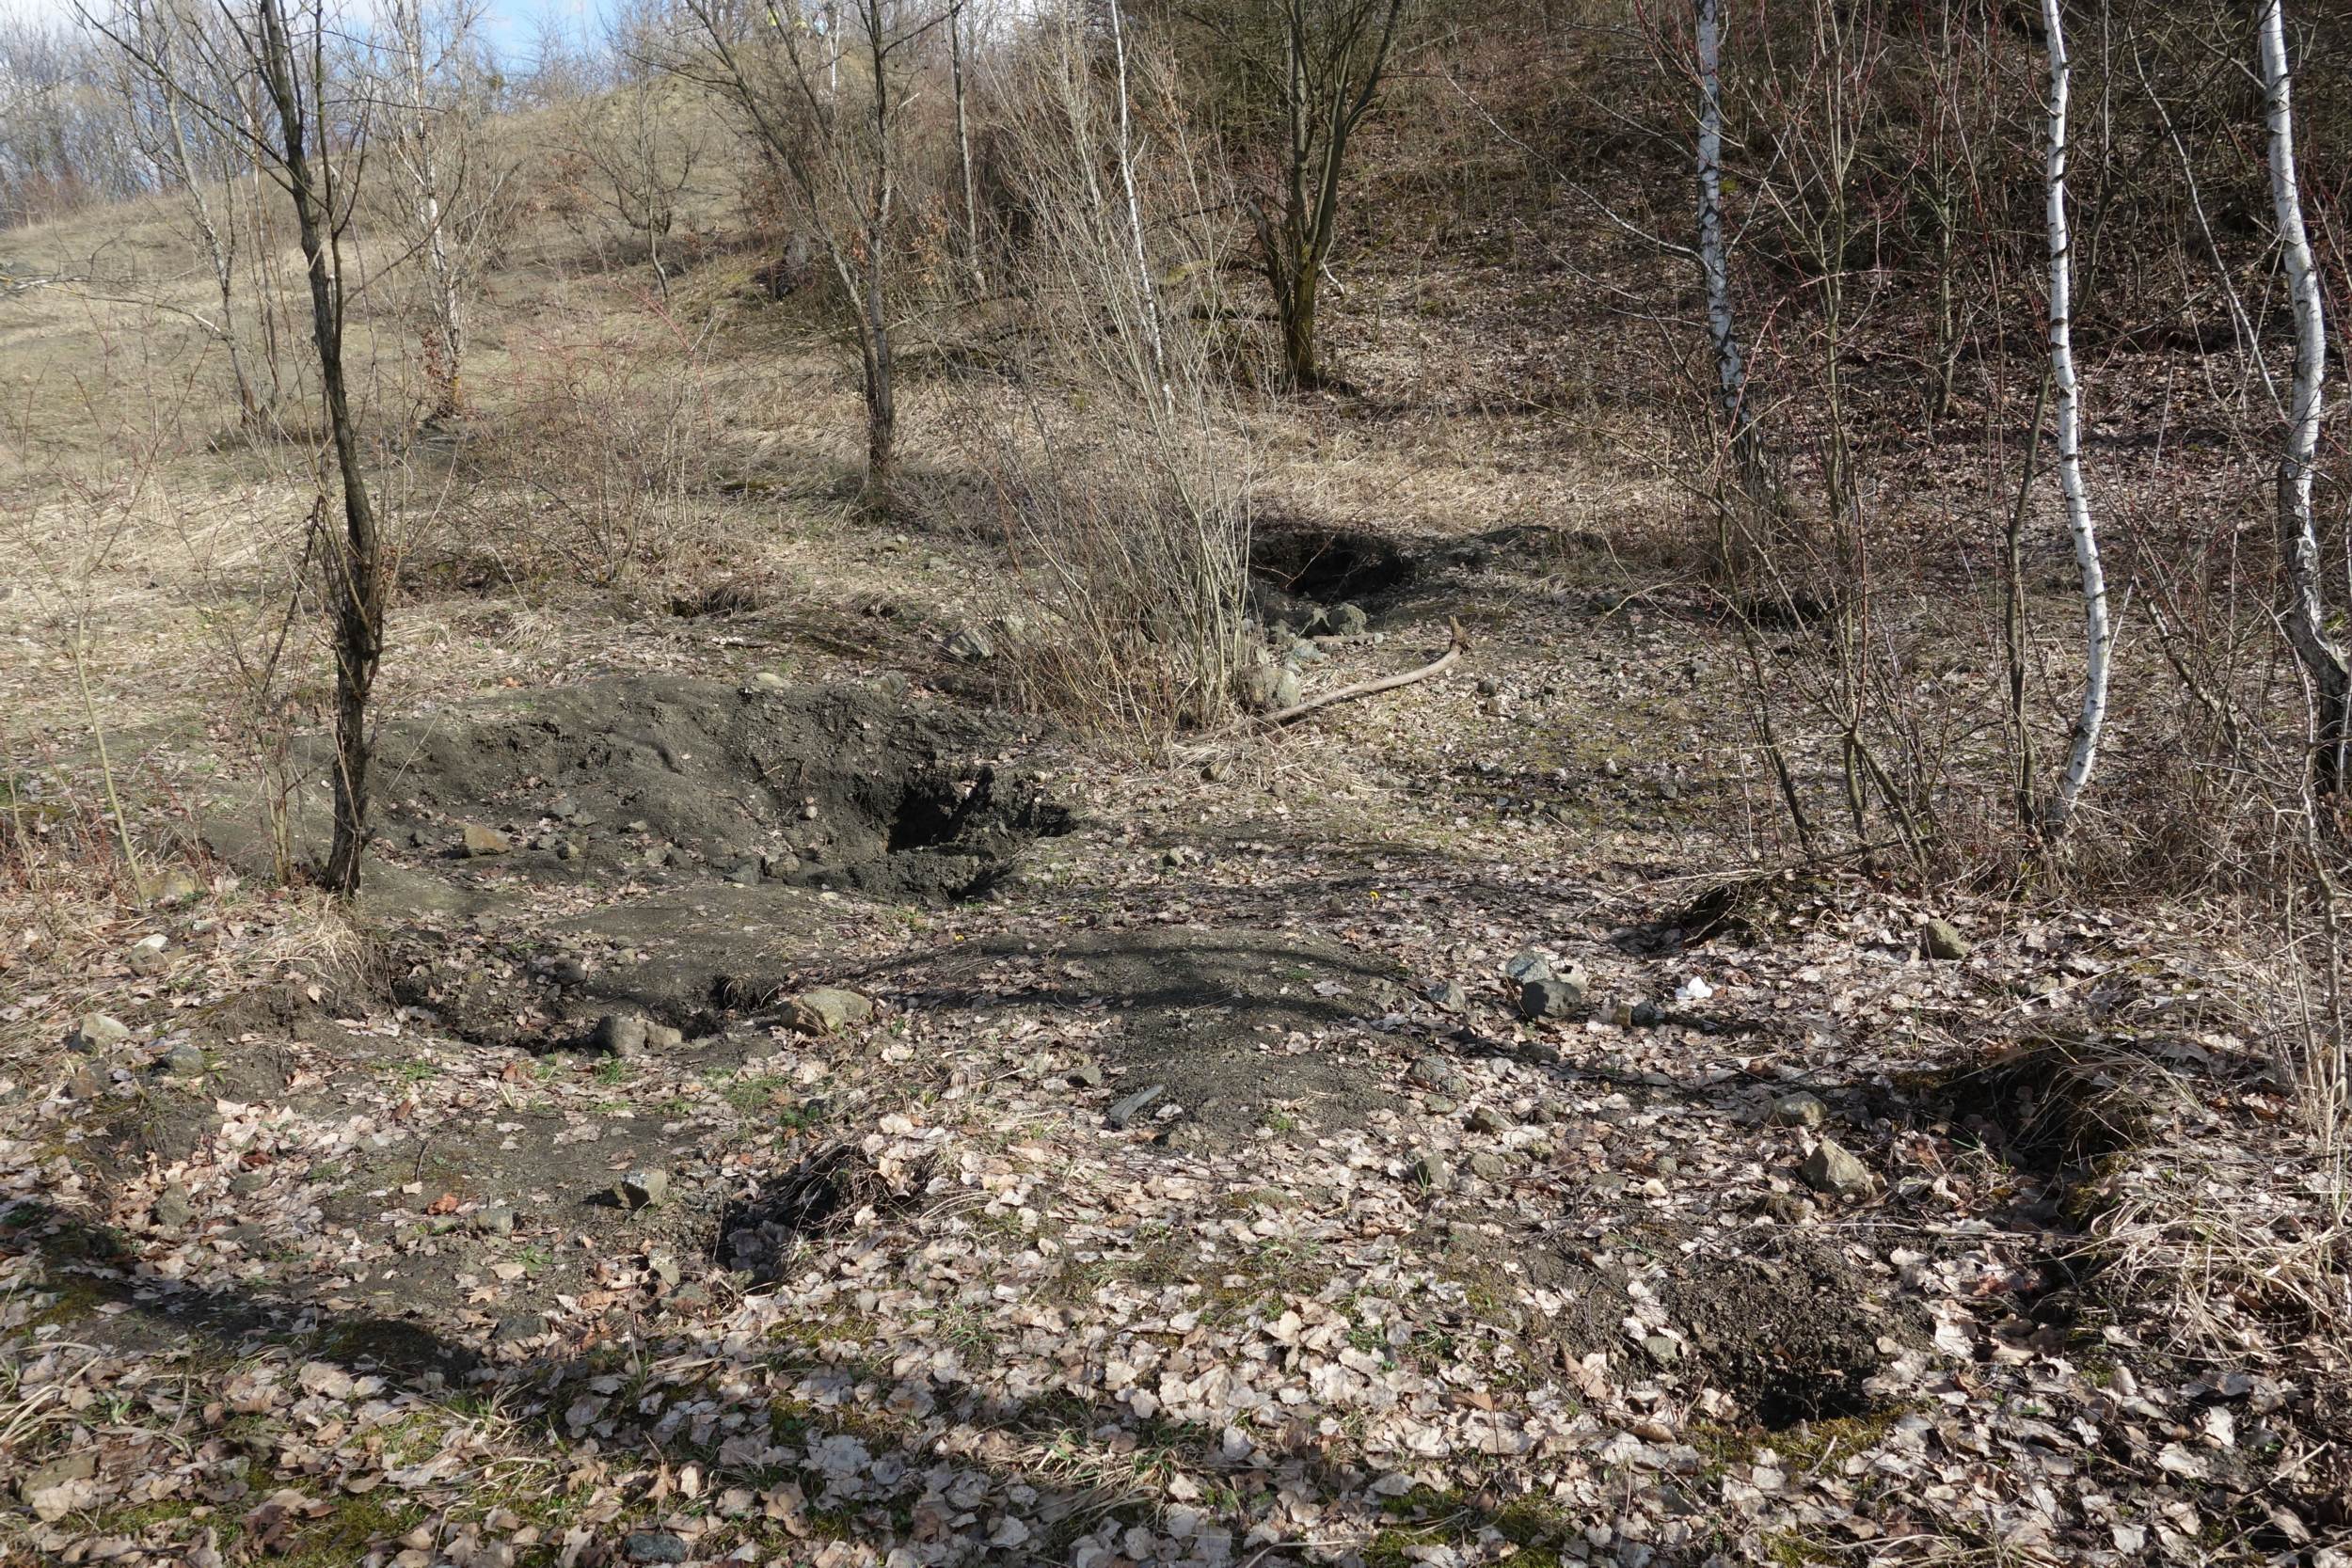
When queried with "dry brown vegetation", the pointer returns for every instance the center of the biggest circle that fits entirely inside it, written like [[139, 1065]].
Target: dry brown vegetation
[[1200, 1184]]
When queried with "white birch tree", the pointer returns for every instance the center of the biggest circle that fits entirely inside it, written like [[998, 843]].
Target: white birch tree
[[2320, 655], [2066, 395], [1737, 418]]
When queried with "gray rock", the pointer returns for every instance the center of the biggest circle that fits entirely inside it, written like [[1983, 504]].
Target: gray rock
[[183, 1060], [1831, 1169], [173, 887], [1447, 996], [1489, 687], [642, 1188], [1485, 1118], [1799, 1110], [1087, 1075], [1527, 964], [653, 1545], [173, 1207], [1347, 620], [1257, 685], [495, 1220], [1648, 1015], [84, 1084], [478, 841], [79, 1464], [1789, 1207], [1122, 1113], [568, 849], [619, 1034], [147, 957], [1941, 939], [1179, 856], [1556, 998], [746, 874], [1662, 1349], [767, 680], [95, 1032], [970, 646], [662, 1038], [1287, 691], [1491, 1167], [664, 1268], [1434, 1073], [1430, 1170], [824, 1009]]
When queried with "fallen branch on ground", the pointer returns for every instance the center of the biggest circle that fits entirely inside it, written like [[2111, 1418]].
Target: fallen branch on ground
[[1457, 643]]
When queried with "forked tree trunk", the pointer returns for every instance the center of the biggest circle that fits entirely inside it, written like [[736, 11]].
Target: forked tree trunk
[[354, 570], [2066, 393], [2306, 616]]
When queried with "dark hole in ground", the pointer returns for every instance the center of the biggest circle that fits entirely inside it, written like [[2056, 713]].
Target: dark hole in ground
[[758, 1232], [1786, 1334], [1325, 564]]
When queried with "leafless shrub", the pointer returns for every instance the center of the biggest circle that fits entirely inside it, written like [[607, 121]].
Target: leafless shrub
[[1113, 463], [610, 439]]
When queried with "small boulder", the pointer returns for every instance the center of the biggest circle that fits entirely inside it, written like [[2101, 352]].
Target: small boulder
[[146, 956], [1347, 620], [1941, 939], [94, 1032], [642, 1188], [1447, 996], [173, 1208], [1799, 1110], [619, 1034], [1434, 1074], [173, 887], [1831, 1169], [1527, 964], [653, 1545], [970, 646], [662, 1038], [480, 842], [824, 1009], [1556, 997], [496, 1219], [1430, 1170], [1489, 1166], [183, 1060]]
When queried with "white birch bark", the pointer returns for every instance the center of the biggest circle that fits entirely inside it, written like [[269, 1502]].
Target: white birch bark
[[425, 175], [963, 148], [1731, 371], [1135, 218], [2321, 656], [2066, 396]]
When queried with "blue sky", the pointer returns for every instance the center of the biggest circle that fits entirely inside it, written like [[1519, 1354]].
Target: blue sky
[[512, 26]]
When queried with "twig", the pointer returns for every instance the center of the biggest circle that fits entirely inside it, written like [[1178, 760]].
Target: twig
[[1458, 642]]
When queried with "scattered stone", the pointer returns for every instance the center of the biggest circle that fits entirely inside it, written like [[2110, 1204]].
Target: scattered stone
[[1526, 965], [173, 887], [1799, 1110], [1789, 1208], [1430, 1170], [1347, 620], [664, 1268], [521, 1325], [1257, 686], [1485, 1118], [146, 955], [85, 1083], [1489, 1168], [1087, 1075], [1287, 690], [1941, 939], [1662, 1349], [1831, 1169], [478, 841], [183, 1060], [1648, 1015], [1179, 856], [1667, 1165], [95, 1032], [1434, 1073], [173, 1207], [690, 1294], [1447, 996], [767, 680], [1695, 988], [568, 849], [746, 874], [1553, 998], [970, 646], [642, 1188], [495, 1220], [79, 1465], [1124, 1113], [653, 1545], [1489, 687], [825, 1008], [619, 1034], [660, 1036]]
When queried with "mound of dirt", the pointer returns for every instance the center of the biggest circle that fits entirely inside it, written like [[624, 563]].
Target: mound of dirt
[[1786, 1331], [671, 781]]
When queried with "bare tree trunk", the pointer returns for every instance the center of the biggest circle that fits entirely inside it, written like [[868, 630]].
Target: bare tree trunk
[[219, 247], [882, 402], [2098, 634], [354, 571], [426, 175], [2306, 615], [1151, 307], [964, 142], [1731, 371]]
